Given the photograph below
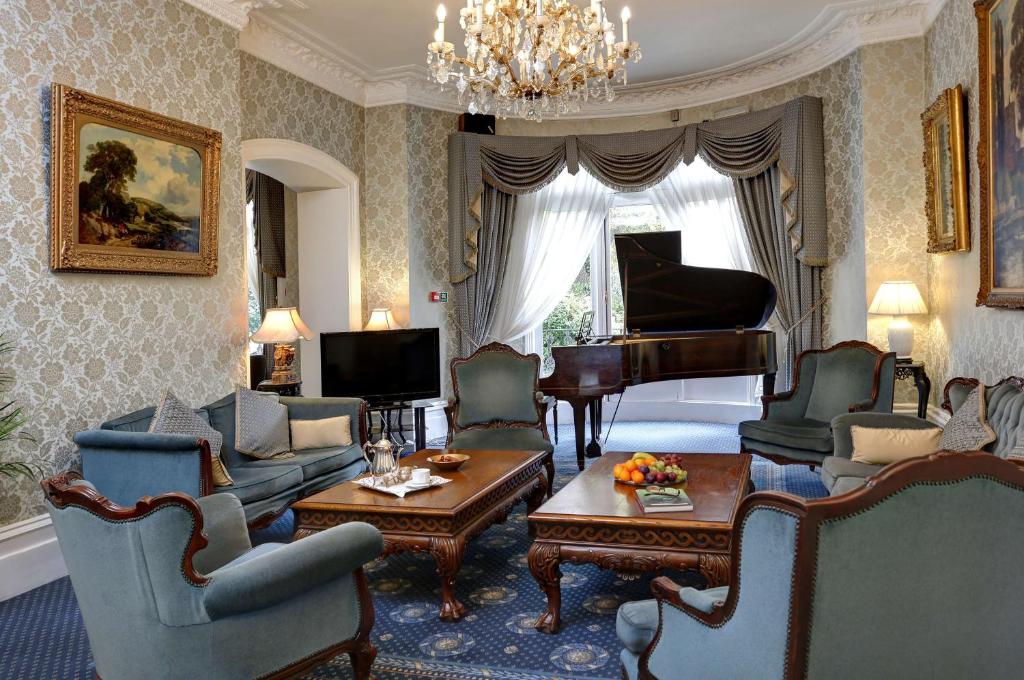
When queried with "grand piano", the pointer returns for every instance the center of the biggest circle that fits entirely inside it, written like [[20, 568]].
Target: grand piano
[[683, 322]]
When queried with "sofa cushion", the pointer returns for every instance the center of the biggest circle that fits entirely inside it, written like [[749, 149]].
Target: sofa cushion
[[502, 439], [255, 481], [968, 428], [322, 433], [316, 462], [884, 445], [798, 433], [835, 468], [846, 485], [261, 424], [138, 421], [222, 418], [172, 416]]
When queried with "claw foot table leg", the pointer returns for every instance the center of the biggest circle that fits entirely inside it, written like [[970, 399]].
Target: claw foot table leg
[[448, 553], [544, 559]]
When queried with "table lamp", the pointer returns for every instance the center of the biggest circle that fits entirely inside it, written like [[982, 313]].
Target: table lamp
[[899, 299], [381, 320], [281, 327]]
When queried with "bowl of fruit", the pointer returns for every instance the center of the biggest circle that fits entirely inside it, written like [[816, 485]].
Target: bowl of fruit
[[644, 469], [447, 461]]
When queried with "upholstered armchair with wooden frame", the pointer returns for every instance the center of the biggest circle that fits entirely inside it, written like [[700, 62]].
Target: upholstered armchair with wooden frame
[[172, 588], [795, 426], [498, 405], [904, 578]]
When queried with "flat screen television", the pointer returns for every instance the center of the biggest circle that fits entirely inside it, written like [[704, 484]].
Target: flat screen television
[[381, 366]]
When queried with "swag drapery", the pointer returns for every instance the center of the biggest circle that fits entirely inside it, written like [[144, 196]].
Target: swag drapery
[[775, 158]]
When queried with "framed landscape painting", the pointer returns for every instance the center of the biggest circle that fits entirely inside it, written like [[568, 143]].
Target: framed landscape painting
[[132, 191], [1001, 151]]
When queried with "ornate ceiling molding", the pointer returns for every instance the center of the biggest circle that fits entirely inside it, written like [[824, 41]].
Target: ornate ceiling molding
[[837, 31], [235, 13]]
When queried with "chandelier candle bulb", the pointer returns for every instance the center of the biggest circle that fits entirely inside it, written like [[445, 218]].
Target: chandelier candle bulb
[[441, 14], [625, 24]]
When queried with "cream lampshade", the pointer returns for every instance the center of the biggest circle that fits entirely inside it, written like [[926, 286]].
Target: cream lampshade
[[899, 299], [281, 327], [381, 320]]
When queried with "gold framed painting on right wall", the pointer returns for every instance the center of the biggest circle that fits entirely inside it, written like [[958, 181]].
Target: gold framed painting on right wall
[[1001, 152], [946, 174]]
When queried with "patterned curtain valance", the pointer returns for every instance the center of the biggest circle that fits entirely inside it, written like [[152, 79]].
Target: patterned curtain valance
[[740, 147]]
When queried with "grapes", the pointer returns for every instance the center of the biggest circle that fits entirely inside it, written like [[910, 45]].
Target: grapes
[[644, 469], [671, 476]]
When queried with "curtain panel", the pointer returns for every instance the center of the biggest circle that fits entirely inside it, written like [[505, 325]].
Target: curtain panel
[[786, 138], [267, 196]]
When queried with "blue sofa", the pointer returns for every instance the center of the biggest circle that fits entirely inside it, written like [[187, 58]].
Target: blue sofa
[[126, 462]]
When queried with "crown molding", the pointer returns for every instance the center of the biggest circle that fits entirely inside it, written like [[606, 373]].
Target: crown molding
[[836, 32], [235, 13]]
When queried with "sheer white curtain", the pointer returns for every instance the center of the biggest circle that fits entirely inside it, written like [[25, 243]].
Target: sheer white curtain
[[553, 233], [252, 266], [701, 203]]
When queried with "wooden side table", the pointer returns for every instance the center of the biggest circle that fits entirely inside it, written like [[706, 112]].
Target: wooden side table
[[287, 389], [923, 384]]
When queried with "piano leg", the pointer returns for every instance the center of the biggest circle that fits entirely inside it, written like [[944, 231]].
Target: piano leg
[[769, 384], [594, 447], [579, 419]]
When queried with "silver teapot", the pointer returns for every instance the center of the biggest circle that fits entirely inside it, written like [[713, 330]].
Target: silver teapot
[[381, 458]]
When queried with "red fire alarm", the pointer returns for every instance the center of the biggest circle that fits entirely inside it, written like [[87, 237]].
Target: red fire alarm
[[438, 296]]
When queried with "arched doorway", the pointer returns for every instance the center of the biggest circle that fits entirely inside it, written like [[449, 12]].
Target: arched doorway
[[328, 230]]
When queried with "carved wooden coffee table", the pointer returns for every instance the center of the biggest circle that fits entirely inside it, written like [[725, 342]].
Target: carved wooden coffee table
[[594, 520], [440, 520]]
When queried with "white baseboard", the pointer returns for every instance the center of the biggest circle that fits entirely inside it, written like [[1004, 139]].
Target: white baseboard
[[676, 411], [936, 414], [29, 556]]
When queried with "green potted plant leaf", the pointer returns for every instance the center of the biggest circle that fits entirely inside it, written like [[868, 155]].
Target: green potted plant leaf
[[11, 421]]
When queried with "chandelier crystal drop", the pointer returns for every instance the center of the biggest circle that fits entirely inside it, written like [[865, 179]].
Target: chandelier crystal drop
[[532, 58]]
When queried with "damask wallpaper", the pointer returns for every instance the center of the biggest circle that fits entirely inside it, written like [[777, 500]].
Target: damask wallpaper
[[94, 346], [965, 340]]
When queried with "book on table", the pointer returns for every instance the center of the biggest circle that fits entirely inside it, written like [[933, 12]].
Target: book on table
[[663, 499]]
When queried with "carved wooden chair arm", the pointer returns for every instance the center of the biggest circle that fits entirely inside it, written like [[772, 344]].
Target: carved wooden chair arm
[[862, 406], [767, 399]]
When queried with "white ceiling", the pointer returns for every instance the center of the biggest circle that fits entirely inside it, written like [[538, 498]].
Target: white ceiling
[[678, 37], [695, 51]]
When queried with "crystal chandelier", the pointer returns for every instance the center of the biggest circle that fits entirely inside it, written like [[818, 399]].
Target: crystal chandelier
[[532, 58]]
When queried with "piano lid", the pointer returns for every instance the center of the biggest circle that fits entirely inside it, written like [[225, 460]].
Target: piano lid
[[662, 295]]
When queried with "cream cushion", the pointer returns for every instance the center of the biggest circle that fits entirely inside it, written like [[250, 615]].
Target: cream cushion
[[322, 433], [883, 445]]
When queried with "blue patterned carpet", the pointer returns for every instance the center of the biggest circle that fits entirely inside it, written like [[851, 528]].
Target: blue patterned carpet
[[41, 633]]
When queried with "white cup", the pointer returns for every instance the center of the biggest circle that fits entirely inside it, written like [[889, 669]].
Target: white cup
[[420, 476]]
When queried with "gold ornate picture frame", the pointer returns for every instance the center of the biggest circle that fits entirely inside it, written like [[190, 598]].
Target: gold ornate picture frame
[[945, 170], [1000, 154], [131, 191]]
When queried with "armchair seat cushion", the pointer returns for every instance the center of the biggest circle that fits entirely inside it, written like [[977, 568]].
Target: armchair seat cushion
[[636, 624], [835, 468], [846, 484], [315, 462], [798, 433], [502, 439], [254, 481]]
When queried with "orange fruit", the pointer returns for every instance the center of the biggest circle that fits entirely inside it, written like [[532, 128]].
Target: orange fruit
[[638, 477], [618, 471], [631, 465]]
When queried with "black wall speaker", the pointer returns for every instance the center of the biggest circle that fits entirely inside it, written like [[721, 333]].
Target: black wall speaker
[[476, 122]]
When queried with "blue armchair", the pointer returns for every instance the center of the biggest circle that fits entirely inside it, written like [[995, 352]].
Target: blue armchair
[[171, 588], [904, 578], [795, 426], [498, 405]]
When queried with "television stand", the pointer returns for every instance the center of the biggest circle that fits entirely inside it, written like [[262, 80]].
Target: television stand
[[383, 410]]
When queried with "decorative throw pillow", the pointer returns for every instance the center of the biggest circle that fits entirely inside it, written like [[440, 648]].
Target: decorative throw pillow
[[883, 445], [322, 433], [968, 429], [174, 417], [261, 425]]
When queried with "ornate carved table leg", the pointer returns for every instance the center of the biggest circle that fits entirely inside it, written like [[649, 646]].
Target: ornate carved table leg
[[924, 389], [543, 559], [714, 568], [536, 498], [302, 533], [448, 553]]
